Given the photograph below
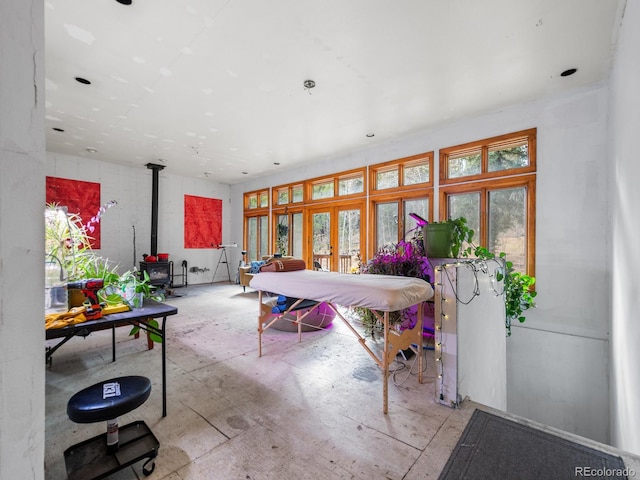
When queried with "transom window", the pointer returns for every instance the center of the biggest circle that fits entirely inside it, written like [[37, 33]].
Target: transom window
[[410, 172], [288, 194], [339, 186], [498, 156], [256, 200]]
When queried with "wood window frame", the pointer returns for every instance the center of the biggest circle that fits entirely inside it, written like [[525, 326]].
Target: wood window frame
[[335, 179], [256, 214], [483, 188], [290, 187], [400, 165], [484, 146], [388, 198], [258, 193], [289, 211]]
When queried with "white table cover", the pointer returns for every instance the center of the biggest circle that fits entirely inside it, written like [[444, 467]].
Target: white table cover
[[379, 292]]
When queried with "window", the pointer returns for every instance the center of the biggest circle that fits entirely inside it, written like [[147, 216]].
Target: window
[[287, 194], [321, 190], [345, 184], [499, 204], [256, 200], [392, 219], [410, 172], [386, 223], [288, 232], [350, 184], [256, 227], [257, 236], [506, 155], [399, 188]]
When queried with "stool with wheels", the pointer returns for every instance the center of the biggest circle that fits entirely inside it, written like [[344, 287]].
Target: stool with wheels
[[118, 447]]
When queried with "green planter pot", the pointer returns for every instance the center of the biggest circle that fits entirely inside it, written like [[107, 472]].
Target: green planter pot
[[438, 238]]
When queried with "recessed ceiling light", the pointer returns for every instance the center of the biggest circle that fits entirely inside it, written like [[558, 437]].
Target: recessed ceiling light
[[369, 135], [568, 72], [83, 81], [245, 173], [92, 150], [309, 84], [58, 129], [276, 163], [124, 2]]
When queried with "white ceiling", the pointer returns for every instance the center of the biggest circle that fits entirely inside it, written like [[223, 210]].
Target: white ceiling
[[214, 88]]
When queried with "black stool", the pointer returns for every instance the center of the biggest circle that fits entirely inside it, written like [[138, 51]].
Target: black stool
[[117, 448]]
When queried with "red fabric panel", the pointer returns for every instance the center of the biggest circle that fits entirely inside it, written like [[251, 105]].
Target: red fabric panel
[[202, 222], [82, 198]]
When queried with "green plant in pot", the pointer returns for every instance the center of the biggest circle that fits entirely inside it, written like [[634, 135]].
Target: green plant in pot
[[457, 242], [448, 239], [70, 257], [134, 289]]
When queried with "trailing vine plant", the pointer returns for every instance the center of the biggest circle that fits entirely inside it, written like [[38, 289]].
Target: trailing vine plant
[[518, 286]]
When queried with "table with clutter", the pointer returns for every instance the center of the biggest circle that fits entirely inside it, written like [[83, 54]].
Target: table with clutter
[[74, 323]]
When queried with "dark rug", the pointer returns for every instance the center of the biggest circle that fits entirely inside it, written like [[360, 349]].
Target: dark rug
[[493, 447]]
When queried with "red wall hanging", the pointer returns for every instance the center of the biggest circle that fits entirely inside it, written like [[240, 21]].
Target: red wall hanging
[[81, 198], [202, 222]]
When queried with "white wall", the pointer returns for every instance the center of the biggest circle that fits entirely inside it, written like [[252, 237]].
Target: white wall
[[21, 239], [557, 360], [131, 188], [625, 198]]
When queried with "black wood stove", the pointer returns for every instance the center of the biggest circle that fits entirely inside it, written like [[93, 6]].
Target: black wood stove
[[159, 272]]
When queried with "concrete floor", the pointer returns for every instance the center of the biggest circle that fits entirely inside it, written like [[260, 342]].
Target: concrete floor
[[305, 410]]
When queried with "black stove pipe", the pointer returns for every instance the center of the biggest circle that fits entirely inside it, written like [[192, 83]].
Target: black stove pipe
[[154, 206]]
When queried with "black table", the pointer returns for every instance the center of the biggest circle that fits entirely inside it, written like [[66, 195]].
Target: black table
[[138, 316]]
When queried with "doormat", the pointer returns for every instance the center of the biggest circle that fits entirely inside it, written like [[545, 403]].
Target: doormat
[[493, 447]]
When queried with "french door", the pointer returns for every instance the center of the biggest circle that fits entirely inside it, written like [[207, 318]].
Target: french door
[[337, 236]]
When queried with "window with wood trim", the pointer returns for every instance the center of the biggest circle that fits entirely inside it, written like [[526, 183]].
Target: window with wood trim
[[405, 173], [256, 200], [492, 183], [506, 155], [343, 185], [284, 195], [256, 224], [288, 231], [256, 236], [390, 215]]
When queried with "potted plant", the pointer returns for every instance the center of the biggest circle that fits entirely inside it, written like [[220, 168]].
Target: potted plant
[[69, 255], [458, 239], [447, 239], [405, 259], [134, 288]]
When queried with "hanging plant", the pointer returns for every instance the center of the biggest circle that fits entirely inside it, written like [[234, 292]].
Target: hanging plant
[[518, 288]]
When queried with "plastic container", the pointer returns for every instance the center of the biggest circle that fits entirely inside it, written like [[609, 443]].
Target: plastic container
[[163, 257], [438, 238], [150, 258]]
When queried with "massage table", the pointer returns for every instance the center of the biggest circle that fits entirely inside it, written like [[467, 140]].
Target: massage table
[[380, 294]]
